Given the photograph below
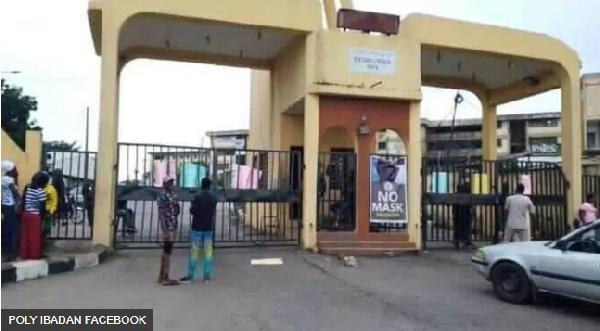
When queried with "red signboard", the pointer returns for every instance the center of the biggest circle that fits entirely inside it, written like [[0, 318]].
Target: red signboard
[[368, 21]]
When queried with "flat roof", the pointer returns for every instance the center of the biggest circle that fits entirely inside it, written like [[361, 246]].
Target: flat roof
[[227, 133]]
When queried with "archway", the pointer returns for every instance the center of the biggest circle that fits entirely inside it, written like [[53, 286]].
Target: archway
[[336, 193]]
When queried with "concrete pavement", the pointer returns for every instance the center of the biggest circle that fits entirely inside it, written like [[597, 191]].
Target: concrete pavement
[[308, 292]]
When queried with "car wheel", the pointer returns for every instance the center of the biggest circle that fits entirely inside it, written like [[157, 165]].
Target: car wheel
[[511, 283]]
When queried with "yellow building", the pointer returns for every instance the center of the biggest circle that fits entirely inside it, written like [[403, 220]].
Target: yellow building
[[314, 87]]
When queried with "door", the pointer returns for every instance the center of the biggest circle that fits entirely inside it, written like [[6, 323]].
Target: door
[[296, 173], [574, 271]]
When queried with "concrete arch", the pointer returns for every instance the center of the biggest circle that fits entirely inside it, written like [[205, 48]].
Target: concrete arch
[[397, 146], [336, 137]]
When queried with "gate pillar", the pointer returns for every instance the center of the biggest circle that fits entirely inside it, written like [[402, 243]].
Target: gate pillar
[[414, 156], [107, 141], [311, 160], [571, 136], [489, 132]]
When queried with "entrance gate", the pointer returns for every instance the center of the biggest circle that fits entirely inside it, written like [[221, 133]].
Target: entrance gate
[[489, 182], [255, 191]]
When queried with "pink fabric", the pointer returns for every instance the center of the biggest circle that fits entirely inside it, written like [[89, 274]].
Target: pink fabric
[[591, 213], [245, 178], [159, 172], [163, 170]]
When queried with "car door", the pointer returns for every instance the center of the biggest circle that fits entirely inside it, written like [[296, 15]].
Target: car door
[[572, 273]]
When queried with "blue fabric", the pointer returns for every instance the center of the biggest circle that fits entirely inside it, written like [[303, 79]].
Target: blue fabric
[[201, 240], [10, 231]]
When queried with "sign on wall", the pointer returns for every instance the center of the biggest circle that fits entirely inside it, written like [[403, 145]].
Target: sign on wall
[[372, 61], [545, 147], [388, 202]]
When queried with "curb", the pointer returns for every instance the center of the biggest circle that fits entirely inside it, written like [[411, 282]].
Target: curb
[[33, 269]]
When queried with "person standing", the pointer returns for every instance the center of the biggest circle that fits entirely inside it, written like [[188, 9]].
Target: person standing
[[10, 199], [88, 200], [463, 218], [59, 184], [520, 214], [168, 210], [51, 208], [588, 213], [34, 210], [203, 211]]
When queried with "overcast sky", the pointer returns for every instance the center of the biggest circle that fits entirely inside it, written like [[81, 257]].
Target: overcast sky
[[175, 103]]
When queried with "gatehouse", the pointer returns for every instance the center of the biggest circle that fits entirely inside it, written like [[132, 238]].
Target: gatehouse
[[320, 96]]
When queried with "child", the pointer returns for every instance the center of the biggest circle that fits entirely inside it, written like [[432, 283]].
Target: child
[[51, 207]]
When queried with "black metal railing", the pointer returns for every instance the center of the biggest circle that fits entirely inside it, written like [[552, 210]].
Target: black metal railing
[[254, 189], [487, 184], [336, 191], [72, 174]]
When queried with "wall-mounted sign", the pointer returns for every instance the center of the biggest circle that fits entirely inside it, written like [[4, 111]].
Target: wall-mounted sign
[[388, 190], [372, 61], [545, 147]]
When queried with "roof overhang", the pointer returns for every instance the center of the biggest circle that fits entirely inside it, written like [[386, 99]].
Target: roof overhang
[[497, 64]]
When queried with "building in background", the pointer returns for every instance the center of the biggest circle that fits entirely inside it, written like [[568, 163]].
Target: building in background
[[590, 96], [517, 134], [230, 139]]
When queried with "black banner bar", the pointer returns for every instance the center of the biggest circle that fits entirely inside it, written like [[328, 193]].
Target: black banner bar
[[77, 319]]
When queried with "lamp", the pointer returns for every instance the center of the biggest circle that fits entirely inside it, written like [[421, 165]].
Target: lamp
[[363, 126]]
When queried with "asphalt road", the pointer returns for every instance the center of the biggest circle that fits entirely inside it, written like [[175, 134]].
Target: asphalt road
[[308, 292]]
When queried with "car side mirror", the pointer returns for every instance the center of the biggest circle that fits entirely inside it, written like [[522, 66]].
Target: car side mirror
[[562, 245]]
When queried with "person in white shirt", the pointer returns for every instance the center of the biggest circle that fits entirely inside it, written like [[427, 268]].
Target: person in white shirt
[[10, 199], [520, 214]]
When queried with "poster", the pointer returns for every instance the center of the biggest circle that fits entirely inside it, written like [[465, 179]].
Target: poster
[[526, 181], [388, 202]]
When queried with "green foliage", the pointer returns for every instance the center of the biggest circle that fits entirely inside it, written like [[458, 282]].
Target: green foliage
[[16, 110]]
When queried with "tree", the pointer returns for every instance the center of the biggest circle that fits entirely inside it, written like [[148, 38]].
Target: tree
[[60, 146], [16, 110]]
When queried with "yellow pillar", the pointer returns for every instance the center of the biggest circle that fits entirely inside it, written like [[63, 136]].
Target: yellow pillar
[[571, 140], [107, 140], [489, 132], [414, 173], [330, 13], [311, 159]]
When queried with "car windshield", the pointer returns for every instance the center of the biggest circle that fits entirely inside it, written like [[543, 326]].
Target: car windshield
[[576, 232]]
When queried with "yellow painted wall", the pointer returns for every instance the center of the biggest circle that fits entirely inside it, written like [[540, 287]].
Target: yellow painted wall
[[261, 130], [333, 72], [29, 161], [289, 75]]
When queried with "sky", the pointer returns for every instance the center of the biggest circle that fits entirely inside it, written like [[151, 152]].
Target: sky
[[176, 103]]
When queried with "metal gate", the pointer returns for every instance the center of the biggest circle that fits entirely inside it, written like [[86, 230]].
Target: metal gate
[[73, 219], [489, 183], [254, 189], [336, 191]]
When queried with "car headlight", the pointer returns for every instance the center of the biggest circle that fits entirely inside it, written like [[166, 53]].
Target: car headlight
[[479, 255]]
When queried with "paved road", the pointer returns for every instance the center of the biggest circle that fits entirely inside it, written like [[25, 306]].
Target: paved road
[[309, 292]]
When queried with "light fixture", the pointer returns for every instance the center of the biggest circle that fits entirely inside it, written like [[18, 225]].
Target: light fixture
[[207, 38], [241, 53], [531, 81], [459, 66], [259, 35], [439, 56], [363, 126]]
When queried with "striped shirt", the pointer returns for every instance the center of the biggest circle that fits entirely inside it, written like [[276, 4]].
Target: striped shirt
[[34, 199]]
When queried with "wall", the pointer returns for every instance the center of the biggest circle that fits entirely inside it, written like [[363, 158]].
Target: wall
[[381, 114], [29, 161], [261, 130], [590, 86], [334, 70]]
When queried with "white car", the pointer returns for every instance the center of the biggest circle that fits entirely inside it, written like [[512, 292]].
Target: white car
[[568, 267]]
